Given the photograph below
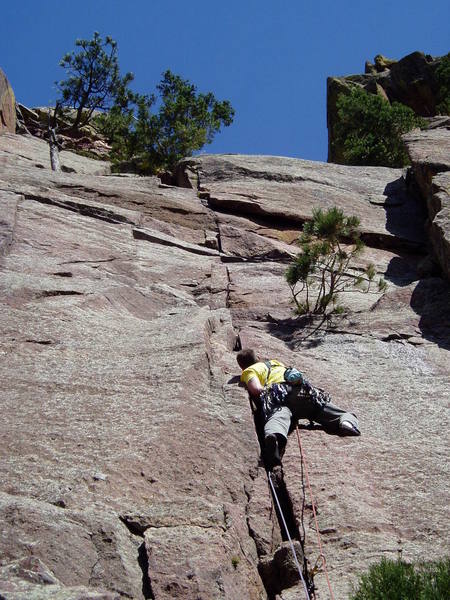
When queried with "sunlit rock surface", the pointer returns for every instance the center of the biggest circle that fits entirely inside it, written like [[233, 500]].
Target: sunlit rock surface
[[7, 106], [129, 461]]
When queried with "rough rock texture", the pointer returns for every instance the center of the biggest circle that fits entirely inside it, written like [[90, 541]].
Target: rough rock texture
[[85, 140], [129, 461], [430, 157], [411, 81], [283, 192], [18, 150], [7, 106]]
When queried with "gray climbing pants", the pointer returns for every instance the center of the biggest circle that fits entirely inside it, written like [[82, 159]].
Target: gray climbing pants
[[298, 407]]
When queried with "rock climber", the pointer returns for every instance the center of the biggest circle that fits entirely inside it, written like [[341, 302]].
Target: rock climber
[[278, 404]]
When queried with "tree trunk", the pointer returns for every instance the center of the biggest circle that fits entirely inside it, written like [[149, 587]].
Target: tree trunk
[[54, 150], [53, 141]]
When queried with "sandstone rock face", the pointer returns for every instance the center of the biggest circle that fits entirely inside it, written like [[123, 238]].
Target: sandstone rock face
[[7, 106], [129, 460], [411, 81], [284, 191], [430, 157]]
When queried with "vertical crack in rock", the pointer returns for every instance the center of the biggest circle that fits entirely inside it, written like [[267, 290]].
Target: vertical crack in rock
[[273, 576], [94, 566], [253, 534], [146, 582], [288, 512], [219, 237], [228, 290], [282, 494], [8, 221], [238, 343], [277, 567], [138, 531]]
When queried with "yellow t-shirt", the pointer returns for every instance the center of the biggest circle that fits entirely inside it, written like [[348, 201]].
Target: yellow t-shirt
[[260, 370]]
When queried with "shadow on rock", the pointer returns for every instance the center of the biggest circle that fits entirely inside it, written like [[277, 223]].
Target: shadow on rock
[[307, 331], [402, 270], [147, 591], [405, 214], [431, 300]]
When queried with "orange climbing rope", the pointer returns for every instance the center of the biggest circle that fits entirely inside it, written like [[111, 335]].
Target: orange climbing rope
[[322, 555]]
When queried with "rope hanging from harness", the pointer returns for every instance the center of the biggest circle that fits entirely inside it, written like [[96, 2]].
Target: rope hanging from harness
[[272, 398]]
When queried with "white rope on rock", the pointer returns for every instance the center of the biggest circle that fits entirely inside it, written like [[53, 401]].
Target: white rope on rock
[[289, 537]]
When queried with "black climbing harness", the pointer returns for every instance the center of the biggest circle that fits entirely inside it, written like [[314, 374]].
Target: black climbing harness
[[272, 397]]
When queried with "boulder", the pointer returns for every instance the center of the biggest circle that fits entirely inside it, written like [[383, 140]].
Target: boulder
[[411, 81], [7, 106], [281, 571], [382, 63]]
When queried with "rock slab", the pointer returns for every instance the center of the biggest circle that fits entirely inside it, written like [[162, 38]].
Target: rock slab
[[429, 151], [129, 462], [7, 106]]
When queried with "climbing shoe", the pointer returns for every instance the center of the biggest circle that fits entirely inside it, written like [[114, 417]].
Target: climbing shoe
[[271, 451], [276, 474], [347, 428]]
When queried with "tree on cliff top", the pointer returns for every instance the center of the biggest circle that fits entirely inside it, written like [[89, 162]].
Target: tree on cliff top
[[153, 140], [94, 81], [185, 122], [369, 129]]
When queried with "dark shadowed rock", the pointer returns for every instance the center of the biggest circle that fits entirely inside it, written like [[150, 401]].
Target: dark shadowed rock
[[412, 81], [440, 225], [281, 571], [430, 157]]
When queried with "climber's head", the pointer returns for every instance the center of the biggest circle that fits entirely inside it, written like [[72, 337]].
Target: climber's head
[[246, 358]]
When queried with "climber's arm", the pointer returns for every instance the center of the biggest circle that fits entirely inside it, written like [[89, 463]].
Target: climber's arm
[[254, 387]]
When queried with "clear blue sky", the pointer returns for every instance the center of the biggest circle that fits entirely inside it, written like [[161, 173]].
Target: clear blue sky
[[269, 58]]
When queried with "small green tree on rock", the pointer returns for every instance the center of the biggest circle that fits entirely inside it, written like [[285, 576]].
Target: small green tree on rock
[[369, 129], [320, 272], [94, 82]]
